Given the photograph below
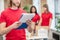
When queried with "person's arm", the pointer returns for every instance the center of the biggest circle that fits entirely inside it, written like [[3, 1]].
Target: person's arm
[[30, 24], [5, 30], [33, 25], [50, 22], [40, 21]]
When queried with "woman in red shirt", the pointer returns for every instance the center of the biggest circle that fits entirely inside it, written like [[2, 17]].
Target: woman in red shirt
[[46, 17], [35, 19]]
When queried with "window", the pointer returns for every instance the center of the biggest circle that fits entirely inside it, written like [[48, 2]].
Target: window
[[57, 14]]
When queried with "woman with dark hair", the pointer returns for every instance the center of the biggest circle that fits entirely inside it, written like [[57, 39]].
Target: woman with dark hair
[[46, 18], [35, 19], [33, 10]]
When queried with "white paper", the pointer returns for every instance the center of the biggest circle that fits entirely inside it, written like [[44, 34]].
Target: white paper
[[43, 33], [26, 16]]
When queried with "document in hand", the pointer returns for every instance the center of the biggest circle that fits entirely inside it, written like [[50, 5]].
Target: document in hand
[[24, 18]]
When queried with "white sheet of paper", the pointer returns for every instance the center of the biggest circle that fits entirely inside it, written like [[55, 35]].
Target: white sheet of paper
[[43, 33], [26, 16]]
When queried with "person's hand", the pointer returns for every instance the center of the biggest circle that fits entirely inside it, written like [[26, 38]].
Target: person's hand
[[29, 29], [28, 22], [16, 25]]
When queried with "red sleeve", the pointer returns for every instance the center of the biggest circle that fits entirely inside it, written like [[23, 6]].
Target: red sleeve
[[2, 18], [51, 15], [33, 19], [36, 18], [42, 15]]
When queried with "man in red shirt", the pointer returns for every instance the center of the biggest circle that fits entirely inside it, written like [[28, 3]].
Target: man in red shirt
[[10, 21]]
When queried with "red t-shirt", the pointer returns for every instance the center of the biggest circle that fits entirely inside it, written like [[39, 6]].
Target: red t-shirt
[[10, 16], [0, 19], [45, 18], [36, 18]]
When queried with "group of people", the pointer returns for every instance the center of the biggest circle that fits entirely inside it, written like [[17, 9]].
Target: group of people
[[9, 20]]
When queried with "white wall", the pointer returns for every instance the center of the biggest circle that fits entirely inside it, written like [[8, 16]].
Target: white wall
[[57, 3], [52, 10], [58, 6], [1, 5], [37, 3]]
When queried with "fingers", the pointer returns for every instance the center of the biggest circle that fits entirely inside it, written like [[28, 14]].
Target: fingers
[[18, 23], [29, 29], [28, 22]]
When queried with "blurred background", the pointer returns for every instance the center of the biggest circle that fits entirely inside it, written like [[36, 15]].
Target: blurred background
[[54, 7]]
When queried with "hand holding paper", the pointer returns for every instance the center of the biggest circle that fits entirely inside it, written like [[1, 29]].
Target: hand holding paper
[[24, 20], [26, 17]]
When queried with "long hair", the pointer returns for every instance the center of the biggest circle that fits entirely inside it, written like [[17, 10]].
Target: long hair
[[10, 4], [31, 9], [46, 6]]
